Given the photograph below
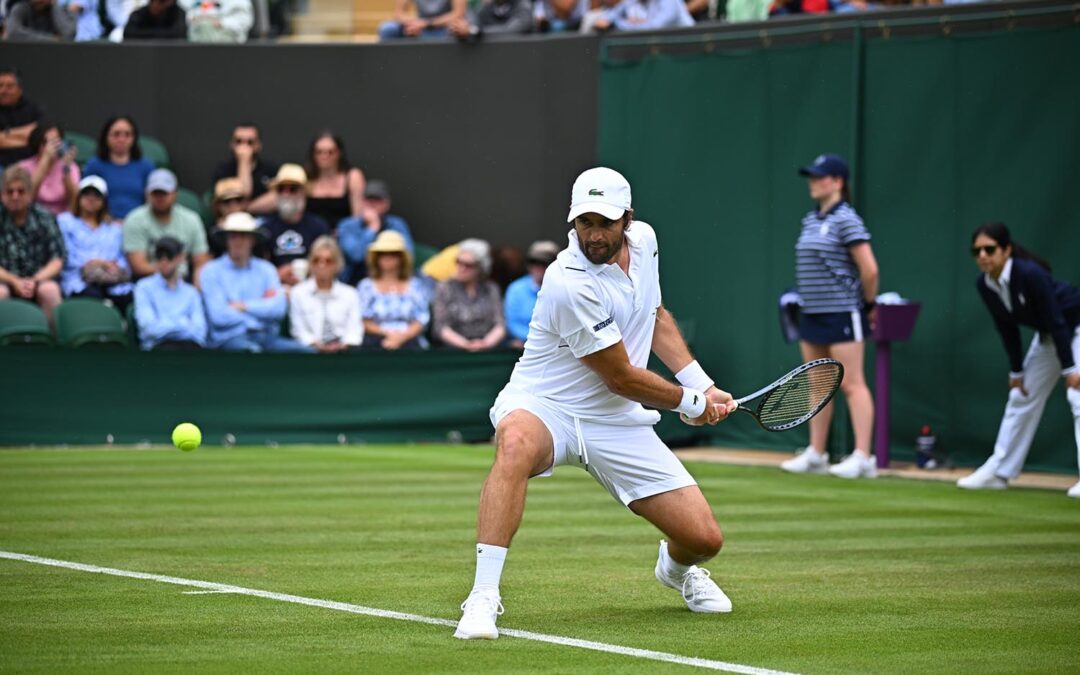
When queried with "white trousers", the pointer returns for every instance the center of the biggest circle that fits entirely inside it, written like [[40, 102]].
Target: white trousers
[[1042, 370]]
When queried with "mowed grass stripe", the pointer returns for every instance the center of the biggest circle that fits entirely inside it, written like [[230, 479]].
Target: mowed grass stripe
[[826, 575]]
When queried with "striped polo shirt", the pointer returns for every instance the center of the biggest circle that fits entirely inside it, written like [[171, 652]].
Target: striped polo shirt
[[825, 273]]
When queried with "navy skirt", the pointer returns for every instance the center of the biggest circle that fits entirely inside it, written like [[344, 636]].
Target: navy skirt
[[833, 327]]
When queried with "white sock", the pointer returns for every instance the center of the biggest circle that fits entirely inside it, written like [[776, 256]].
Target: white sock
[[670, 566], [489, 565], [812, 448], [862, 453]]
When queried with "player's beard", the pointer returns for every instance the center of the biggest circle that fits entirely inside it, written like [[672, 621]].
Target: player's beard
[[602, 255]]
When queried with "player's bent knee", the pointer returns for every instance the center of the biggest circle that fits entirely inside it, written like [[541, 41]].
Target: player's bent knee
[[518, 449]]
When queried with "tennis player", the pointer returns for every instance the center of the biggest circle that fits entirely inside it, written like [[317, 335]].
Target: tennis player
[[575, 398], [1017, 289]]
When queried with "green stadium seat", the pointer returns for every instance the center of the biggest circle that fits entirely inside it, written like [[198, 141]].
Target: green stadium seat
[[422, 253], [154, 150], [23, 323], [193, 201], [85, 145], [132, 326], [81, 322]]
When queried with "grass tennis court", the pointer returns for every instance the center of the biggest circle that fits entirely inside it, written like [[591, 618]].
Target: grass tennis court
[[826, 576]]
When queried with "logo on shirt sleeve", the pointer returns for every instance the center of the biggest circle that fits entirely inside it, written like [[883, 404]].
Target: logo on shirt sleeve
[[603, 324]]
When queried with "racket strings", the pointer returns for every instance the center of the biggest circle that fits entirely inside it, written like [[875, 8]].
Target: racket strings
[[800, 397]]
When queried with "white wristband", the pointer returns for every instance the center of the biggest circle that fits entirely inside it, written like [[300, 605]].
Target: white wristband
[[1016, 375], [692, 404], [694, 376]]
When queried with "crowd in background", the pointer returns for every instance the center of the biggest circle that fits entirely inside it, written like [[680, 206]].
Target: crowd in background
[[232, 21], [295, 257]]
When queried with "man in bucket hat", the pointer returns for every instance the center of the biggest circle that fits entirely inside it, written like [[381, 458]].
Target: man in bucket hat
[[245, 301]]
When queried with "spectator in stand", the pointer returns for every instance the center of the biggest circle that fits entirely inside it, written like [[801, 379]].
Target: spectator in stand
[[467, 308], [393, 303], [521, 295], [88, 26], [293, 229], [433, 17], [228, 198], [39, 21], [18, 118], [95, 266], [336, 189], [245, 302], [631, 15], [157, 20], [53, 171], [746, 10], [31, 248], [218, 20], [356, 234], [120, 162], [324, 313], [247, 164], [161, 217], [559, 16], [168, 310], [494, 17], [507, 266]]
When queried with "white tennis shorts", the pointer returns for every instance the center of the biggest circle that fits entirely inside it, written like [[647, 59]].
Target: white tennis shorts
[[631, 462]]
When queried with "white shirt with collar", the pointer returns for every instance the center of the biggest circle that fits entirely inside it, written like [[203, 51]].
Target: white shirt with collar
[[1001, 286], [314, 313], [583, 308]]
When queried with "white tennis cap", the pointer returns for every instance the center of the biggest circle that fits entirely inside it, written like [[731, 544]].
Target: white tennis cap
[[600, 190]]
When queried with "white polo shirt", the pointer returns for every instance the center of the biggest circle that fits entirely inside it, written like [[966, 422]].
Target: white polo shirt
[[581, 309]]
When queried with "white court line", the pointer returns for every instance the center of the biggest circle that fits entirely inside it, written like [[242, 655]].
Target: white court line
[[213, 587]]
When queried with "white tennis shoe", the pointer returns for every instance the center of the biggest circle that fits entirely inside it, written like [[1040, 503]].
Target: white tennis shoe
[[983, 478], [1074, 491], [480, 610], [698, 590], [855, 466], [807, 461]]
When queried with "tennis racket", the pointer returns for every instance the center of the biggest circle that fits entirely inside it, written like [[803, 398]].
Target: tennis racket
[[795, 397]]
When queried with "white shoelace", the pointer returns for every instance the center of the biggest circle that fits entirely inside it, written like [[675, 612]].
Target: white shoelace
[[483, 603], [700, 585]]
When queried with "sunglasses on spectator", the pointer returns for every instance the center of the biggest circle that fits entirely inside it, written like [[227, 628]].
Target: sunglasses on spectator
[[15, 191], [467, 264], [231, 200], [289, 189], [325, 151], [121, 133], [322, 260], [245, 141], [988, 250]]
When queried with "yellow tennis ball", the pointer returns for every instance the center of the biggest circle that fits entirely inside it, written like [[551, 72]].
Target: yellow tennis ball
[[186, 436]]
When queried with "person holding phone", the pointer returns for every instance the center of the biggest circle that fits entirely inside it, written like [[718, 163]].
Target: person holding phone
[[54, 175], [1017, 289]]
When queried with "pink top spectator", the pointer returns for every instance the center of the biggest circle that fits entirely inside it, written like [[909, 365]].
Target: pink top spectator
[[52, 195]]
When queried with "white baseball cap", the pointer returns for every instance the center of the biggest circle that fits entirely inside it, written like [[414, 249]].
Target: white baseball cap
[[95, 183], [600, 190]]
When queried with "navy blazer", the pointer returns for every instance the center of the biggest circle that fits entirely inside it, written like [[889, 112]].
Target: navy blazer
[[1049, 306]]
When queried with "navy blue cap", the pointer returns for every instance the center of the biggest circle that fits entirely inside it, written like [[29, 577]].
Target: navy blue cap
[[826, 165]]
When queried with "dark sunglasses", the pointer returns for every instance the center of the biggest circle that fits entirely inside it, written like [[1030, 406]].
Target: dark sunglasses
[[244, 141], [289, 189], [988, 250], [231, 200], [466, 264]]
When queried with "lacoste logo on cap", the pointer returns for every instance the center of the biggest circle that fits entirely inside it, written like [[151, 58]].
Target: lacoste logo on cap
[[596, 193]]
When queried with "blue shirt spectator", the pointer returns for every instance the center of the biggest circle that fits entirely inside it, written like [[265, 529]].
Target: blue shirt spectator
[[87, 22], [245, 301], [649, 15], [86, 242], [168, 310], [127, 182], [521, 294], [356, 234]]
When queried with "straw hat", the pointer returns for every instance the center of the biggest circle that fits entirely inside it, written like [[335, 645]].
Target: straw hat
[[241, 222], [389, 241], [289, 173]]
